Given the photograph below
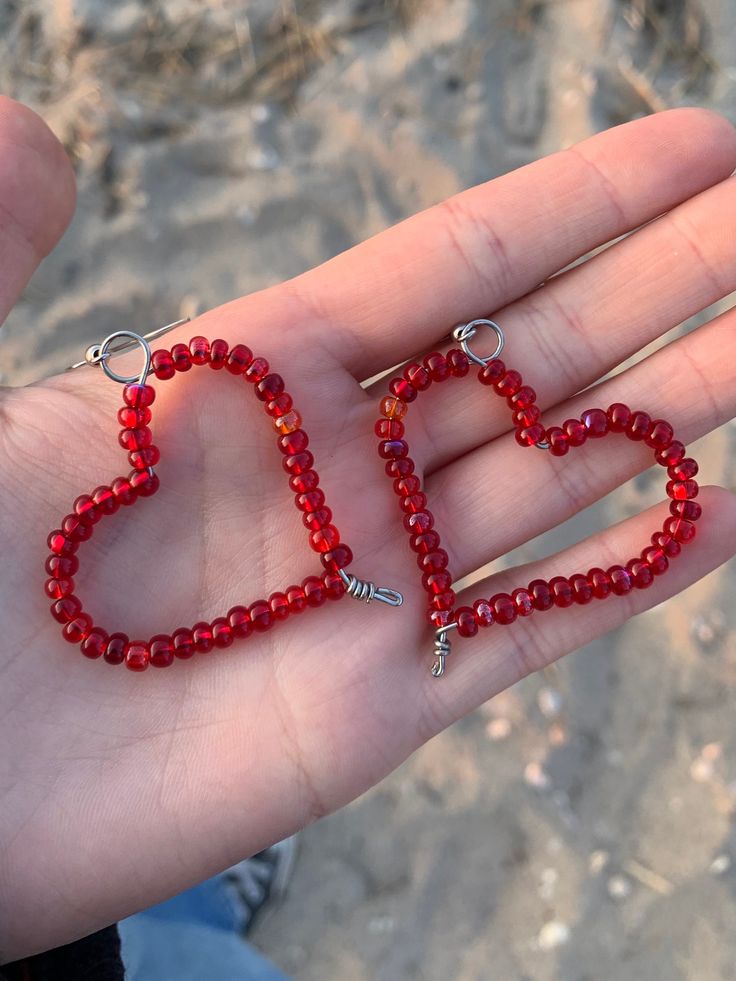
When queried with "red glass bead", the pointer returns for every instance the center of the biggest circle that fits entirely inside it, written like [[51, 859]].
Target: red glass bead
[[425, 542], [123, 491], [690, 510], [681, 530], [621, 582], [95, 643], [161, 651], [458, 363], [531, 435], [667, 543], [288, 423], [582, 590], [77, 629], [525, 397], [492, 372], [59, 544], [298, 463], [619, 417], [600, 583], [401, 467], [311, 501], [483, 613], [445, 601], [240, 359], [270, 387], [402, 389], [57, 589], [114, 652], [660, 436], [541, 595], [389, 429], [655, 559], [413, 503], [313, 520], [504, 608], [84, 506], [576, 431], [219, 351], [559, 442], [417, 376], [418, 522], [256, 370], [437, 366], [202, 636], [324, 539], [440, 618], [672, 454], [337, 558], [684, 470], [509, 384], [293, 442], [641, 574], [66, 609], [139, 396], [682, 490], [137, 655], [182, 643], [199, 350], [143, 483], [261, 616], [239, 620], [437, 582], [296, 599], [62, 566], [181, 357], [406, 486], [562, 593], [392, 449], [163, 364], [434, 561], [135, 439], [76, 528], [145, 458], [523, 418], [302, 483], [392, 408], [334, 586], [595, 422], [523, 602], [639, 427], [467, 625], [134, 418], [222, 634], [280, 405], [314, 591], [104, 500]]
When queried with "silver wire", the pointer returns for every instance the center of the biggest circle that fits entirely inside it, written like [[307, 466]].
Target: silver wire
[[463, 333], [92, 354], [442, 648], [364, 589]]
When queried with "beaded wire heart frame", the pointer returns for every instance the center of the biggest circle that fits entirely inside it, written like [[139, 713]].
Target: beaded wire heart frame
[[539, 595]]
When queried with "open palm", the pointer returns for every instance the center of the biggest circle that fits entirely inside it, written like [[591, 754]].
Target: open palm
[[119, 789]]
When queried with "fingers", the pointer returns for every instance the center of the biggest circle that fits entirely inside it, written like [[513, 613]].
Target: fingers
[[398, 293], [502, 495], [585, 322], [500, 655], [37, 195]]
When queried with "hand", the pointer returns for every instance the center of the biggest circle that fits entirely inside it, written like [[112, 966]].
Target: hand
[[119, 789]]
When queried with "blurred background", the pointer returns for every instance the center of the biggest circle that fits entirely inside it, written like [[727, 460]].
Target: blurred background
[[580, 826]]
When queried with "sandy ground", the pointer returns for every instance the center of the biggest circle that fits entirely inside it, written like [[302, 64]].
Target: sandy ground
[[579, 827]]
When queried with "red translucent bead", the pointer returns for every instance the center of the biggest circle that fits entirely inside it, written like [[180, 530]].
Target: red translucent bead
[[600, 583], [458, 362], [437, 582], [393, 449], [296, 599], [202, 637], [137, 655], [483, 613], [85, 507], [182, 643], [523, 601], [525, 397], [406, 486], [434, 561], [143, 483], [418, 522], [582, 590], [524, 418], [684, 470], [104, 500], [123, 491], [95, 643], [425, 542], [131, 418], [672, 454], [389, 429], [641, 573], [199, 350], [492, 372], [619, 417], [77, 629], [440, 618], [392, 408], [639, 427], [621, 582], [667, 543], [541, 595], [400, 467], [270, 387], [314, 591], [222, 634], [76, 528], [334, 586], [467, 625], [418, 377], [62, 566], [690, 510], [337, 558], [219, 351], [57, 589], [324, 539], [135, 439], [288, 423], [239, 620], [531, 435], [509, 384], [656, 559], [504, 608], [437, 366], [256, 370], [181, 357], [298, 463], [163, 364], [59, 544], [402, 389], [682, 490], [576, 431], [114, 652], [161, 651], [559, 442], [311, 501], [302, 483], [561, 591], [445, 601], [660, 435], [314, 520], [139, 396], [414, 503], [293, 442], [261, 616], [149, 456], [66, 609], [681, 530], [240, 358], [595, 422]]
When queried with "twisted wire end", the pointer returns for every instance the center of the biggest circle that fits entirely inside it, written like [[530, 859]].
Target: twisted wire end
[[442, 649], [364, 589]]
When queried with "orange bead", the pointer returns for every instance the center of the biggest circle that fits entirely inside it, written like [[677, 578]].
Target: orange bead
[[288, 423], [393, 408]]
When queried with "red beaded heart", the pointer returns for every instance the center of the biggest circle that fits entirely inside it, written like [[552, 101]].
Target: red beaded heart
[[136, 437], [539, 595]]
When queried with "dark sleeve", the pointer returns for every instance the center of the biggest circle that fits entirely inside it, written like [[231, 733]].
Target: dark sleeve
[[94, 958]]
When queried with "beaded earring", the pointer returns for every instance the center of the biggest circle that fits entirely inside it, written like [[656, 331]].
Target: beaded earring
[[136, 438], [539, 595]]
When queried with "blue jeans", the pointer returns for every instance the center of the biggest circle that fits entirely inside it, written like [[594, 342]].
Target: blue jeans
[[191, 937]]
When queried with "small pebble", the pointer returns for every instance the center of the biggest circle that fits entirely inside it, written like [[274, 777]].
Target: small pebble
[[701, 770], [553, 934], [549, 701], [597, 861], [498, 729], [619, 887], [720, 864], [536, 776]]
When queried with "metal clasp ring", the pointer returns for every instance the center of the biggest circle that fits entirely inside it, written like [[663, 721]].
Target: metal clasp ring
[[101, 355], [464, 332]]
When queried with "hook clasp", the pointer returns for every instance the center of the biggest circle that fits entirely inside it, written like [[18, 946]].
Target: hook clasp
[[364, 589], [99, 354], [463, 333], [442, 648]]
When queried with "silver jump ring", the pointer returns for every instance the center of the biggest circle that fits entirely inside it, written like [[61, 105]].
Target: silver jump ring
[[464, 332], [103, 358]]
